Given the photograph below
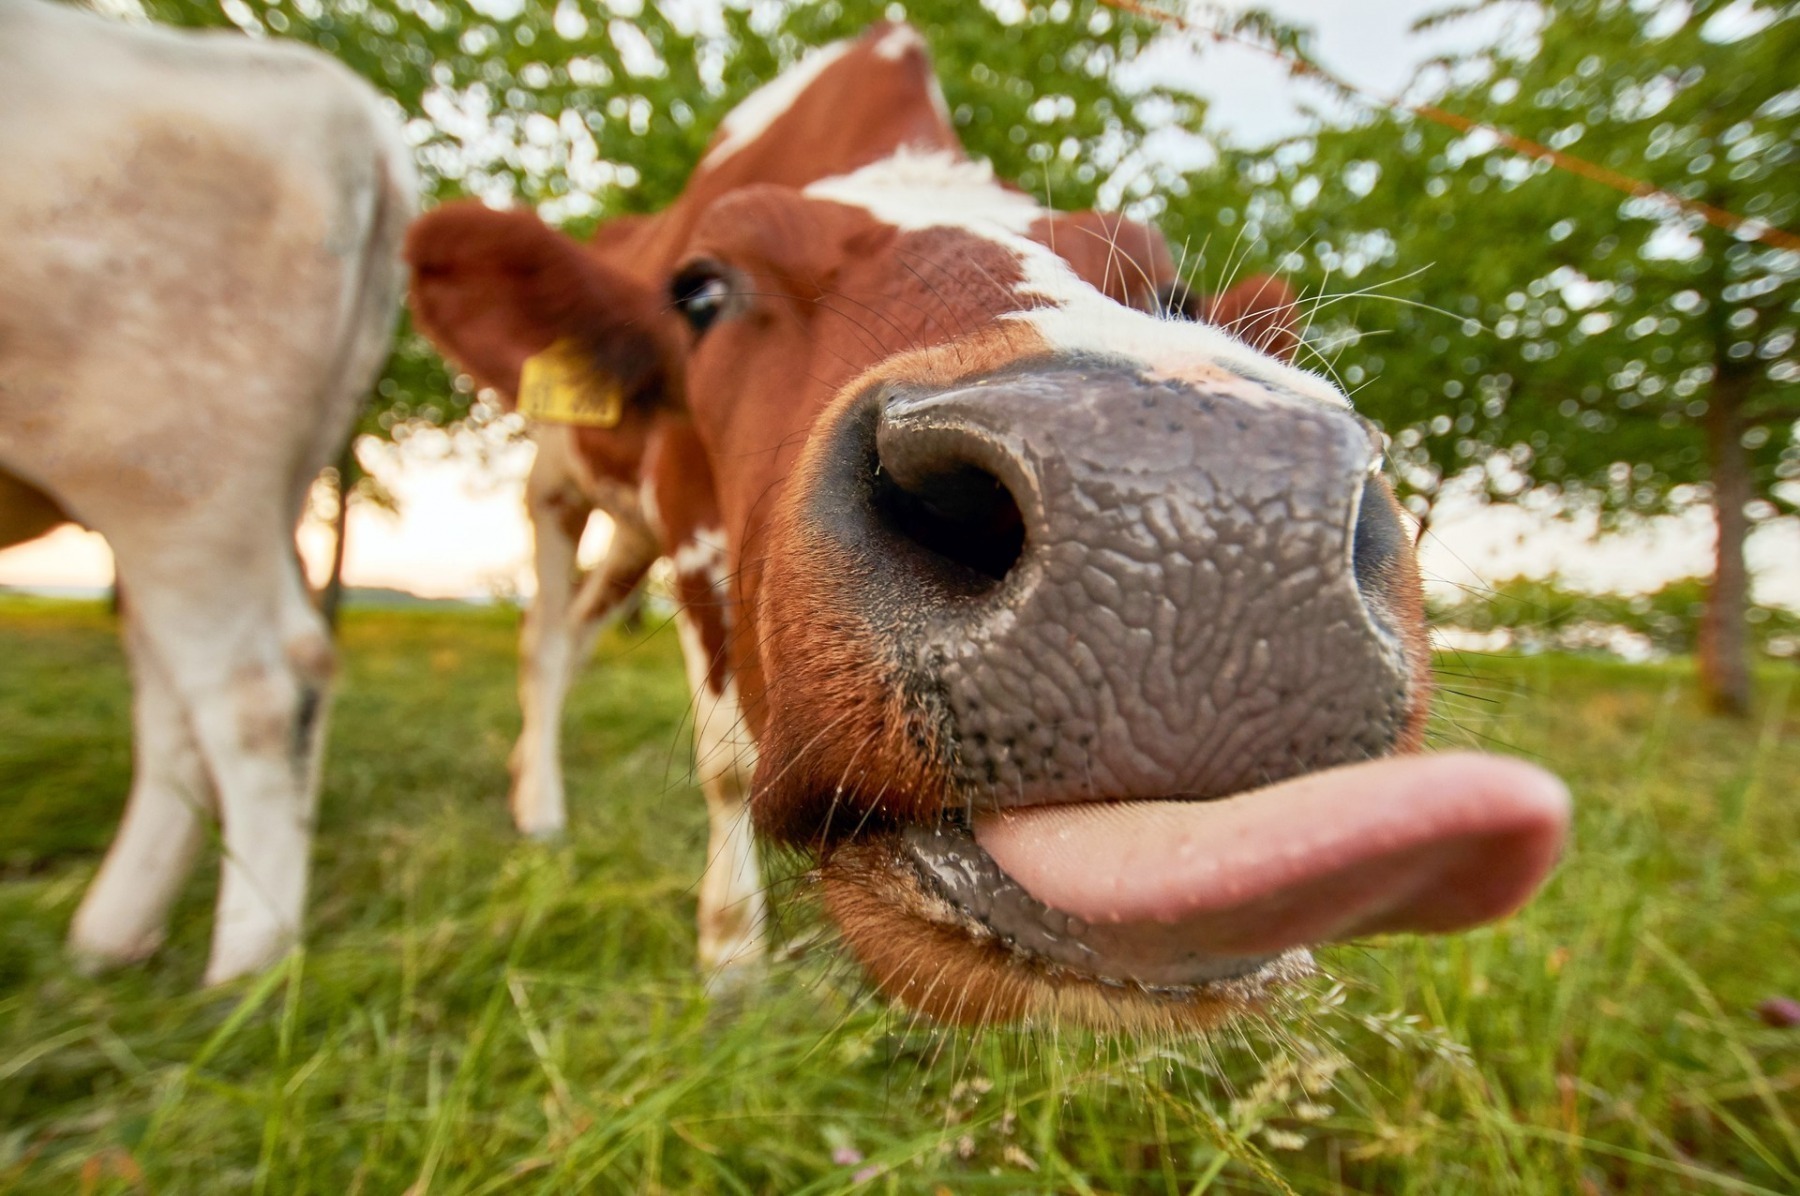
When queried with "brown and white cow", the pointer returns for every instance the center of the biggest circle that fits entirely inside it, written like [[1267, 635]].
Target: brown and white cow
[[197, 285], [1082, 644], [842, 108]]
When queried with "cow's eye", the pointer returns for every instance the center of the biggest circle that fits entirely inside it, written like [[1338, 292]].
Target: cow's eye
[[700, 292]]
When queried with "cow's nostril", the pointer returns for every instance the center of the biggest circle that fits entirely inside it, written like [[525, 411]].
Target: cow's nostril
[[959, 512], [1379, 541]]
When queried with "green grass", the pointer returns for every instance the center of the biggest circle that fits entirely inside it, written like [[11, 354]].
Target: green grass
[[478, 1014]]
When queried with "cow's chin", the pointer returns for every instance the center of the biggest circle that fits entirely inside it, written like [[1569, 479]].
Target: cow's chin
[[938, 952]]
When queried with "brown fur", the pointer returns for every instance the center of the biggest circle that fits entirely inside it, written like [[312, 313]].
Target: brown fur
[[1261, 311], [1126, 261], [841, 728], [25, 511]]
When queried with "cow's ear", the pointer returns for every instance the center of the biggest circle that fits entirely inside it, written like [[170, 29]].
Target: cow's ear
[[1126, 261], [1262, 311], [494, 289]]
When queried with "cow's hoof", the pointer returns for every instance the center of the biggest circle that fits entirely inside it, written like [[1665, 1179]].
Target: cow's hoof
[[233, 961], [92, 958], [93, 964], [538, 814]]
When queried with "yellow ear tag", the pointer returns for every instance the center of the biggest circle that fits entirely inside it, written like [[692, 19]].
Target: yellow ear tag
[[562, 385]]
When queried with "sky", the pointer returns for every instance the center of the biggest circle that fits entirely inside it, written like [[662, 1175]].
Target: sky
[[461, 529]]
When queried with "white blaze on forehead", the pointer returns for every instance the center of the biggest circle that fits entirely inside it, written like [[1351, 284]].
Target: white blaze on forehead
[[913, 192], [1080, 319], [764, 106]]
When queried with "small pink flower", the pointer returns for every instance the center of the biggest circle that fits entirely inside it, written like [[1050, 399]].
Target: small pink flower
[[846, 1156], [1780, 1012]]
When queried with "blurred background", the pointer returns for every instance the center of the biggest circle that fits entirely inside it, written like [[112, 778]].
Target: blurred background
[[1590, 393], [1549, 245]]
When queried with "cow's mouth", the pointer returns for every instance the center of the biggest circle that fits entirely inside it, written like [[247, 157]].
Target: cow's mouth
[[950, 862], [1217, 900]]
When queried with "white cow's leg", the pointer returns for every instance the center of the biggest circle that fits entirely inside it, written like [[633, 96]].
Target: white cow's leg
[[250, 660], [733, 911], [123, 917], [546, 655], [560, 628], [268, 776]]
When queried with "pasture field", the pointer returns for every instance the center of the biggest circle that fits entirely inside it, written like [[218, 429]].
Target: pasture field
[[477, 1014]]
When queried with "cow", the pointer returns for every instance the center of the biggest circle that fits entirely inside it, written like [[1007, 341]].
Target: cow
[[199, 281], [1078, 639]]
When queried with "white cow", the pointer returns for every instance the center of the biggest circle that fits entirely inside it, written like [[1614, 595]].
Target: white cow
[[197, 285]]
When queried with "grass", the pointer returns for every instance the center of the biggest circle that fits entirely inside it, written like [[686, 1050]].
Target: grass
[[476, 1014]]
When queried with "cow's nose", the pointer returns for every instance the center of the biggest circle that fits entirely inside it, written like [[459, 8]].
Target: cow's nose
[[1111, 585]]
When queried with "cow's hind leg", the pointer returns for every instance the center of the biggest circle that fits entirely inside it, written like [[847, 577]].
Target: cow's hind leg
[[251, 662], [546, 654], [267, 762], [558, 635], [125, 912], [733, 911]]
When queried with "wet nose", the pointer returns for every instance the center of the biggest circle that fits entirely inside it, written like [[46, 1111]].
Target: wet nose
[[1114, 585]]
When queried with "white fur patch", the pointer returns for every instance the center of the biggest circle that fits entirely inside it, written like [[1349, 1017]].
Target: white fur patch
[[897, 41], [703, 556], [764, 106], [1082, 320], [647, 504], [732, 909], [914, 191], [721, 739], [722, 743]]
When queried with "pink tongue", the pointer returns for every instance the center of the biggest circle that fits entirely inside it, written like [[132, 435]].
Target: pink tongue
[[1414, 843]]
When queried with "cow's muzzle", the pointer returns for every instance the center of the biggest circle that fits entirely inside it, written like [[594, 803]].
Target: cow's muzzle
[[1117, 586]]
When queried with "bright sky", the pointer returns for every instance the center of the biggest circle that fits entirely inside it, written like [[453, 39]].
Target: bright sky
[[461, 529]]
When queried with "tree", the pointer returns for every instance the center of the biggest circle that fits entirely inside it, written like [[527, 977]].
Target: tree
[[1537, 331], [1544, 614]]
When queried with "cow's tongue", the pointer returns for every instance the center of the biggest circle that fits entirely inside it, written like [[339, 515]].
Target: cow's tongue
[[1419, 843]]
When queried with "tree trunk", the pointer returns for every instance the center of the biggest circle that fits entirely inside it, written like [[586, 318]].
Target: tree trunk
[[333, 594], [1724, 650]]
